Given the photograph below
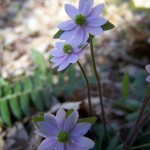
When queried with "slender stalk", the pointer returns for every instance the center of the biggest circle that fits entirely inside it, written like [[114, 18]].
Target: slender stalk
[[99, 90], [134, 130], [88, 87]]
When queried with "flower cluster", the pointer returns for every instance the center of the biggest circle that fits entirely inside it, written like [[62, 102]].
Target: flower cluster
[[64, 133], [84, 21], [148, 70]]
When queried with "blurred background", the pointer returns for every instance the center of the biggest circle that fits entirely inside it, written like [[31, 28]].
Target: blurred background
[[28, 85]]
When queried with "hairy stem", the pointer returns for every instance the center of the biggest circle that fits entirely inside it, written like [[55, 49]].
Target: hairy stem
[[88, 88], [99, 90]]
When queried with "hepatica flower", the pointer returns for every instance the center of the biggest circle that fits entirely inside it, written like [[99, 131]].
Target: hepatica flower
[[148, 70], [65, 54], [64, 133], [84, 20]]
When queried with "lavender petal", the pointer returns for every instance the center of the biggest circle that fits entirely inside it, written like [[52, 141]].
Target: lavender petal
[[71, 146], [48, 144], [67, 25], [57, 53], [73, 58], [42, 134], [68, 34], [80, 129], [94, 30], [96, 11], [80, 36], [71, 11], [88, 7], [59, 146], [61, 116], [59, 45], [148, 68], [50, 118], [47, 128], [83, 142], [81, 5], [96, 22], [71, 121], [148, 79], [58, 59], [64, 65]]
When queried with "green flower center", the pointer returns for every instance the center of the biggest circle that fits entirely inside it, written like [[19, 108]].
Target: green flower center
[[80, 19], [67, 48], [63, 137]]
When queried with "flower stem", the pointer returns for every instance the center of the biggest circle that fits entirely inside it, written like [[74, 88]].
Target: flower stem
[[88, 87], [99, 90], [132, 136]]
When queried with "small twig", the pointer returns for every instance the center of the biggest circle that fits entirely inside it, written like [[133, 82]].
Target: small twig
[[131, 138]]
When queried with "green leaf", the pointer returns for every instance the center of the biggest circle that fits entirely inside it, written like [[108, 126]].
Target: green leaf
[[91, 120], [38, 118], [69, 112], [46, 98], [58, 34], [107, 26], [39, 60], [27, 84], [7, 90], [14, 105], [113, 143], [24, 103], [125, 86], [1, 121], [37, 81], [139, 85], [132, 116], [3, 82], [99, 130], [5, 113], [17, 88], [37, 101]]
